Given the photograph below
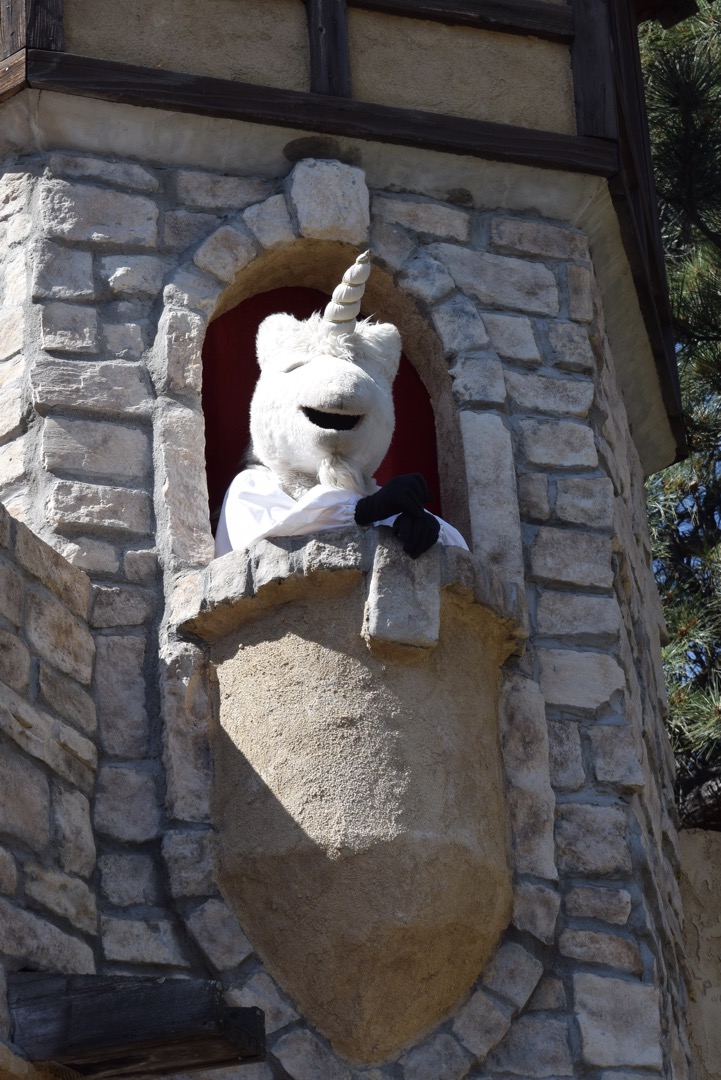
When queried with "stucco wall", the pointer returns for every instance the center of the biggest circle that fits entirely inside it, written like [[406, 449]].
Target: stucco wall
[[418, 64], [257, 41], [701, 892]]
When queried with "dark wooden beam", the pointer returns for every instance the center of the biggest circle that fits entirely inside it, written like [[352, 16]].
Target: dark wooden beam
[[12, 74], [121, 1026], [592, 65], [30, 24], [553, 22], [156, 88], [328, 45]]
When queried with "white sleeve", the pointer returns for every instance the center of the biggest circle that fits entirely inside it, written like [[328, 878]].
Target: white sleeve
[[256, 507]]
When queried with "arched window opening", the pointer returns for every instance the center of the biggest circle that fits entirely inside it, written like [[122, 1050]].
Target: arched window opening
[[230, 372]]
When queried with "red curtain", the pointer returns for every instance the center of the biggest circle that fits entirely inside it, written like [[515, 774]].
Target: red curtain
[[230, 372]]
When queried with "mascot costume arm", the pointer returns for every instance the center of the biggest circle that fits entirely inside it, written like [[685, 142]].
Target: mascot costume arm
[[321, 422]]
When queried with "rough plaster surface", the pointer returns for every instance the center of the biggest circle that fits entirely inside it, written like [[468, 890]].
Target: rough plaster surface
[[256, 41], [418, 64], [360, 813], [701, 892]]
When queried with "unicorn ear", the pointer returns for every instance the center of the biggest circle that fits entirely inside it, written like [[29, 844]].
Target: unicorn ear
[[276, 335], [380, 342]]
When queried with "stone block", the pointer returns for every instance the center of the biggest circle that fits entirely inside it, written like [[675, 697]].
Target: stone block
[[66, 896], [123, 174], [85, 213], [608, 905], [591, 840], [585, 501], [534, 1047], [580, 294], [459, 326], [304, 1057], [13, 278], [225, 253], [439, 1056], [592, 947], [403, 606], [124, 341], [219, 935], [126, 805], [566, 760], [59, 637], [270, 222], [571, 347], [69, 328], [128, 879], [180, 465], [619, 1021], [62, 273], [579, 680], [176, 362], [120, 696], [64, 750], [512, 337], [541, 393], [513, 974], [25, 803], [183, 229], [136, 941], [557, 443], [189, 859], [12, 398], [186, 710], [8, 873], [261, 991], [192, 289], [40, 946], [561, 614], [517, 236], [492, 498], [392, 247], [522, 724], [63, 696], [115, 606], [15, 191], [91, 555], [12, 339], [12, 461], [429, 218], [139, 277], [330, 201], [481, 1024], [569, 557], [69, 585], [535, 910], [141, 567], [104, 387], [425, 279], [14, 661], [616, 757], [73, 832], [533, 501], [210, 191], [531, 808], [109, 509], [98, 450], [477, 381], [500, 282], [550, 995]]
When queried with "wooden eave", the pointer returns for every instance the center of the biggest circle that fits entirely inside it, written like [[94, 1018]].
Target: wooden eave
[[612, 138]]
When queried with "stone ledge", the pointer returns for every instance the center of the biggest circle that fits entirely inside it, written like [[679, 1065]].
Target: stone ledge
[[234, 589]]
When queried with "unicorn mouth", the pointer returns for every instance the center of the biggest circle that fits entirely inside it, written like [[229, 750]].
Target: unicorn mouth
[[332, 421]]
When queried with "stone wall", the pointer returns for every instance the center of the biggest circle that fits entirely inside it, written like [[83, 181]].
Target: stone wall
[[48, 912], [701, 892], [103, 456]]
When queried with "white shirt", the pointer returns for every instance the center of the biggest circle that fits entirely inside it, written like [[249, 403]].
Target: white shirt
[[255, 507]]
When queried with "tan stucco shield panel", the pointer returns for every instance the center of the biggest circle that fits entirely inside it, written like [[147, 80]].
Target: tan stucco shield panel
[[362, 827], [257, 41], [418, 64]]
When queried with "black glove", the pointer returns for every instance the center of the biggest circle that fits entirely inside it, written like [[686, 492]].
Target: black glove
[[401, 495], [417, 534]]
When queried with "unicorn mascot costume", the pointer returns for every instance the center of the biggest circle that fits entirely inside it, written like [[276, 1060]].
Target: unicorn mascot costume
[[321, 422]]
